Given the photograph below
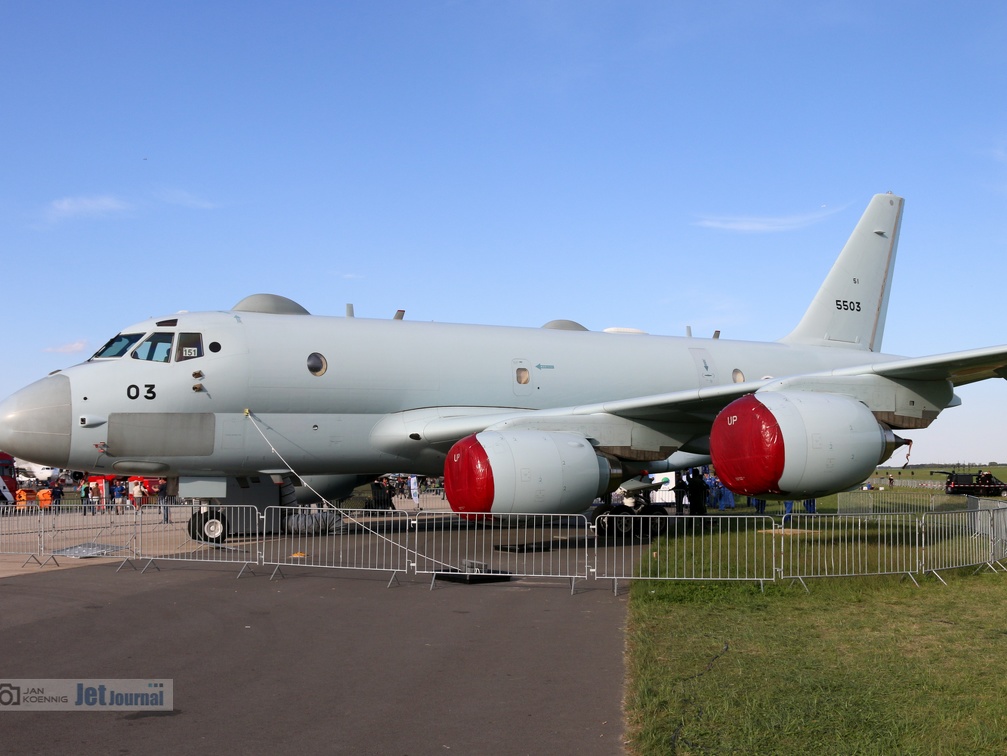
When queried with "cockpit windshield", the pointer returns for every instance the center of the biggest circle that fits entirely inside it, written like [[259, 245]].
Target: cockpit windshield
[[157, 348], [118, 346]]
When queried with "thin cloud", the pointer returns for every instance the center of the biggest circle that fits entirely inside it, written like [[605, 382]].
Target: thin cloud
[[755, 224], [73, 347], [183, 198], [70, 208]]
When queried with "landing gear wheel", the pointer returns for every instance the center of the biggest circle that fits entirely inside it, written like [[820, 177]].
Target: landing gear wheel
[[210, 527], [196, 525], [657, 524], [624, 523], [602, 523]]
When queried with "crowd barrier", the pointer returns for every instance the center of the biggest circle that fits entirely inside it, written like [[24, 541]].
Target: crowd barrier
[[21, 531], [340, 539], [754, 548], [83, 532], [957, 539], [894, 501], [686, 548], [934, 483], [536, 545], [813, 546], [199, 533]]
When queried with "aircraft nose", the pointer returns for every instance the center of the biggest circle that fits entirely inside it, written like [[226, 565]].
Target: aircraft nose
[[35, 422]]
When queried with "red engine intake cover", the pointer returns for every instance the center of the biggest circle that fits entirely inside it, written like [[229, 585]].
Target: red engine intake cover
[[468, 477], [746, 447]]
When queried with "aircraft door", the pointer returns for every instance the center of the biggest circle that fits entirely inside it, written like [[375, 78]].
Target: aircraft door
[[704, 366], [522, 377]]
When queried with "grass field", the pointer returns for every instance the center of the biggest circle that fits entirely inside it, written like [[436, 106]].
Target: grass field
[[859, 665]]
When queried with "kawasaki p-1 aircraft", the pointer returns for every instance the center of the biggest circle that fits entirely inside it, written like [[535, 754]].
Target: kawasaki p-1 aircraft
[[516, 419]]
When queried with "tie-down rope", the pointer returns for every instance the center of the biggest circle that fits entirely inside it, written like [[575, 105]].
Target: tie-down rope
[[343, 513]]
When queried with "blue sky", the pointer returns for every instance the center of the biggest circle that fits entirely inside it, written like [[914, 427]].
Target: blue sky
[[654, 165]]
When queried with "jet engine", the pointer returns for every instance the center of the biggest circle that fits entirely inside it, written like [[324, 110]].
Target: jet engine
[[797, 445], [526, 471]]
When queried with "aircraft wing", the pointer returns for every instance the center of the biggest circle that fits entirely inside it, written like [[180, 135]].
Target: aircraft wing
[[958, 367], [699, 406], [689, 407]]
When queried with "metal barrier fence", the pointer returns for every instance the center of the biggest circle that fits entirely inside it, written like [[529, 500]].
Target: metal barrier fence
[[686, 548], [956, 539], [998, 536], [347, 539], [893, 501], [446, 545], [535, 545], [196, 532], [934, 483], [815, 546], [89, 532], [21, 531]]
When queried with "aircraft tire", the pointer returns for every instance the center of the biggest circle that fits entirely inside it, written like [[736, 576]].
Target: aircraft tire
[[196, 525], [601, 523], [657, 524], [624, 523], [215, 527], [209, 527]]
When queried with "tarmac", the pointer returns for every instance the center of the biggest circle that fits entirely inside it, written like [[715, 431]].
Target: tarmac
[[320, 661]]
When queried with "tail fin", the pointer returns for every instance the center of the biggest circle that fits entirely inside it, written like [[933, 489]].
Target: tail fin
[[849, 310]]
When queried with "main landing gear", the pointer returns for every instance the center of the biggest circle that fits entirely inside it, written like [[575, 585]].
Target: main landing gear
[[629, 520], [209, 525]]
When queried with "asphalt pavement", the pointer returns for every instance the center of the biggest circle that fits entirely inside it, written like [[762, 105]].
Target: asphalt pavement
[[318, 662]]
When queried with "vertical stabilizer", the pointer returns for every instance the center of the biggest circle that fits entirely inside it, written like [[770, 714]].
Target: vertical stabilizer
[[850, 308]]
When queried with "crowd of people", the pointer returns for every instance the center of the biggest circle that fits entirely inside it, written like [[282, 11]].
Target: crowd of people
[[116, 496], [700, 489]]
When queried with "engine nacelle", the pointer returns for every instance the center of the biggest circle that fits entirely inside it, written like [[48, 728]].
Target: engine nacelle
[[797, 445], [526, 471]]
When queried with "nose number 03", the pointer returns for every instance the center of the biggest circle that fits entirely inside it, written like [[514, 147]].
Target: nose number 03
[[133, 391]]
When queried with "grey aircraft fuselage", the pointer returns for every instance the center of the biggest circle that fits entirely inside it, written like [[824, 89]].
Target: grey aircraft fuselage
[[384, 380], [545, 418]]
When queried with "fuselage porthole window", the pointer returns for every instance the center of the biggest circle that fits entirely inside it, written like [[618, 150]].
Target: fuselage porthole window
[[190, 346], [317, 364], [214, 347], [155, 348], [117, 346]]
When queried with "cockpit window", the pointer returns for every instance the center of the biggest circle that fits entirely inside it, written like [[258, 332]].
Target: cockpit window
[[190, 346], [118, 346], [157, 348]]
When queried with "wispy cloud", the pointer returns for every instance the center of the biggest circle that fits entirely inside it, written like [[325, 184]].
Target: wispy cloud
[[765, 224], [185, 199], [73, 347], [100, 206]]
